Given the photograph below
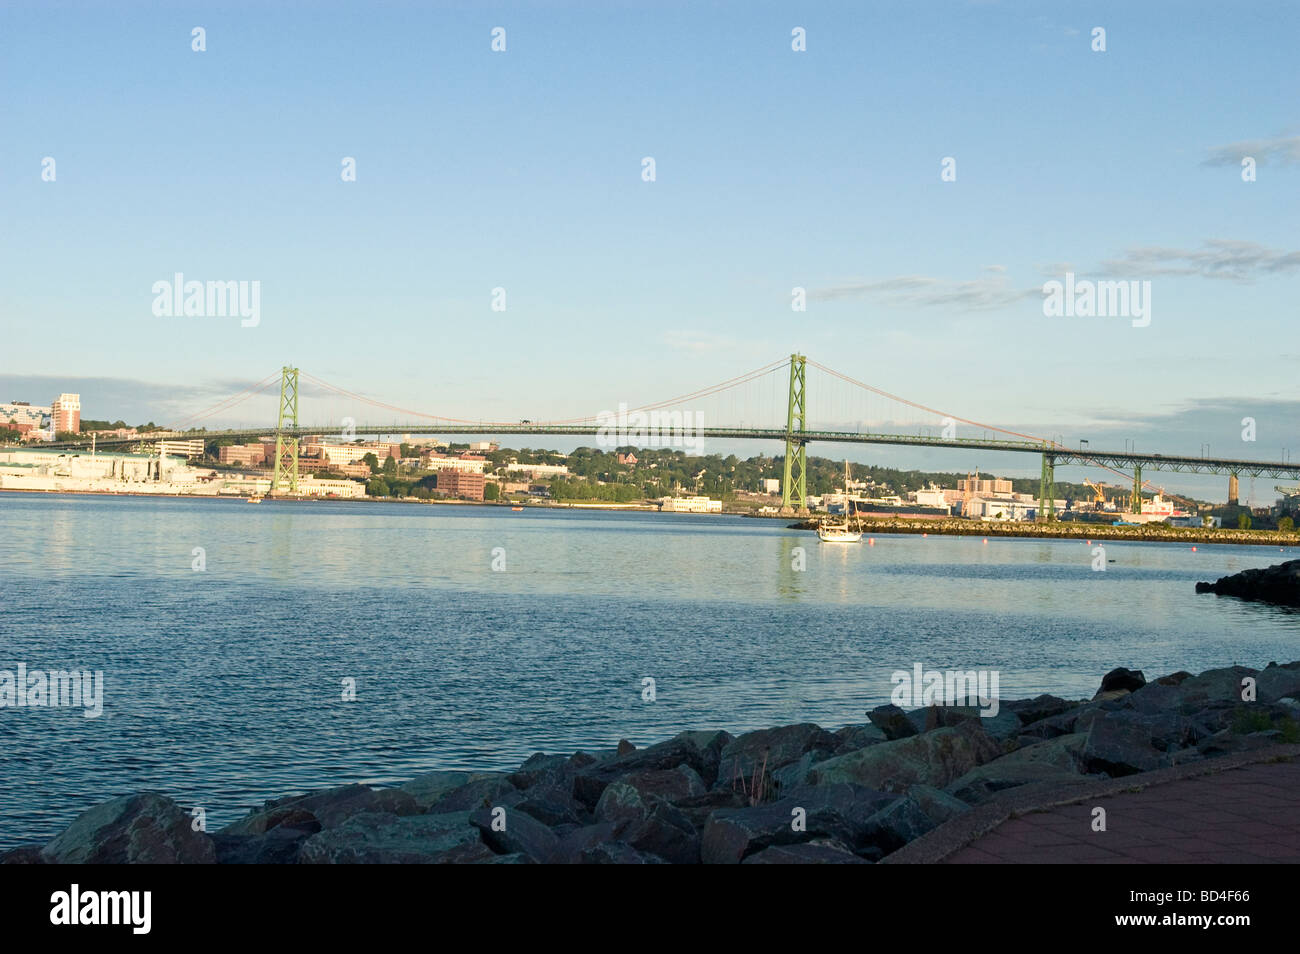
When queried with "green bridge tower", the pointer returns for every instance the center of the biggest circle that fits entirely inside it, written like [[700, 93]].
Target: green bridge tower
[[286, 445], [794, 488]]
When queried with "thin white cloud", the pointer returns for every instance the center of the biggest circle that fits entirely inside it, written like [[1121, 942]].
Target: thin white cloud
[[980, 293], [1281, 149], [1217, 258]]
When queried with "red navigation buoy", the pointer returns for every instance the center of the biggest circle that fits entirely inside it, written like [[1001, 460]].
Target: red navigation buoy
[[871, 541], [986, 539], [1193, 549], [924, 535]]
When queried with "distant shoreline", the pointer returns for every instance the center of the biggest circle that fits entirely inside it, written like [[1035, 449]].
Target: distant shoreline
[[1146, 533]]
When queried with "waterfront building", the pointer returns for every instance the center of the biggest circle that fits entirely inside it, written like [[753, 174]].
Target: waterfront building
[[455, 483], [66, 413], [995, 486], [243, 455], [465, 463], [696, 504], [538, 470], [26, 417]]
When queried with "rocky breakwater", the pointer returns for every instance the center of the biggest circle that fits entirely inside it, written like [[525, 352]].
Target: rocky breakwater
[[790, 794], [1278, 584]]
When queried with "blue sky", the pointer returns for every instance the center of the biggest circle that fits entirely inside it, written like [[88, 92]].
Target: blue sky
[[775, 169]]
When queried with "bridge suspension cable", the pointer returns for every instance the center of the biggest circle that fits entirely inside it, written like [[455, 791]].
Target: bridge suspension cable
[[227, 404]]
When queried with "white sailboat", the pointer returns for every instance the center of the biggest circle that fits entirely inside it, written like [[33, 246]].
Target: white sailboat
[[840, 532]]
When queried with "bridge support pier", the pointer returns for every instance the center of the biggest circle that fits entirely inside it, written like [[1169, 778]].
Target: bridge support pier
[[1233, 491], [1135, 502], [794, 484], [1047, 489]]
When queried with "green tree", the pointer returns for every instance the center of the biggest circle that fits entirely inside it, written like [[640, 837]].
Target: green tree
[[390, 467], [1286, 524], [377, 487], [490, 492], [1243, 521], [372, 462]]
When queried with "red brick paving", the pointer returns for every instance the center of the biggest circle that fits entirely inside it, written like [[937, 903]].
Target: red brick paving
[[1249, 814]]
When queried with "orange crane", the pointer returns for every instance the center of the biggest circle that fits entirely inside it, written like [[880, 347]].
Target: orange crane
[[1099, 502]]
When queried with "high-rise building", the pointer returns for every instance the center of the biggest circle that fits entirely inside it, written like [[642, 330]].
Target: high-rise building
[[66, 412]]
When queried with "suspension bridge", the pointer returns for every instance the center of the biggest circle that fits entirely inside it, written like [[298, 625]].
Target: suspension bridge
[[789, 421]]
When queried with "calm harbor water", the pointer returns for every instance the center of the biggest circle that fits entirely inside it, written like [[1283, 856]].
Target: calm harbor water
[[224, 687]]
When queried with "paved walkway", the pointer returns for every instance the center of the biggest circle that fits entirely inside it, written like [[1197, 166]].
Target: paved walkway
[[1242, 808]]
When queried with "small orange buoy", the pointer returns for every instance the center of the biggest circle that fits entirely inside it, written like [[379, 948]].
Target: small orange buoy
[[1089, 543], [986, 539], [1193, 549], [924, 535], [871, 541]]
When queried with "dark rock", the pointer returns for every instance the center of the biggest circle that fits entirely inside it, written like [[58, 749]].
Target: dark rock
[[386, 838], [665, 833], [327, 808], [698, 808], [980, 784], [22, 855], [672, 785], [1174, 678], [1123, 743], [538, 768], [552, 803], [1121, 678], [1276, 682], [427, 789], [922, 809], [892, 721], [1278, 584], [148, 828], [854, 737], [702, 751], [1215, 686], [767, 750], [483, 793], [831, 811], [932, 758], [621, 802], [1037, 708], [279, 846], [625, 747], [572, 845], [821, 852], [520, 832]]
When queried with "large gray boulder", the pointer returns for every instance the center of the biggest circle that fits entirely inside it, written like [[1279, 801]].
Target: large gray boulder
[[429, 788], [892, 722], [933, 758], [144, 829], [324, 809], [980, 784], [767, 750], [508, 831], [386, 838], [701, 751], [809, 813], [1214, 686], [1275, 682], [922, 809], [1124, 743], [480, 793]]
